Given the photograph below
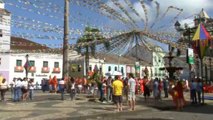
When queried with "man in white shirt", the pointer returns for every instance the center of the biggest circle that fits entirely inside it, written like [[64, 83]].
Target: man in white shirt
[[61, 88], [131, 89], [17, 90]]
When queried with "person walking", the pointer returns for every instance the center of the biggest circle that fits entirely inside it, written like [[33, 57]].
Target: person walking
[[72, 88], [12, 86], [199, 90], [156, 89], [146, 89], [193, 88], [109, 89], [118, 92], [17, 90], [125, 83], [24, 89], [3, 88], [160, 87], [55, 84], [61, 88], [31, 86], [180, 97], [165, 87], [131, 91]]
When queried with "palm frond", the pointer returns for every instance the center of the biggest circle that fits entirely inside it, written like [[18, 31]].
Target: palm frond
[[107, 45]]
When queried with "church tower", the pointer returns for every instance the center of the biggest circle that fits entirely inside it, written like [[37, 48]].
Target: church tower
[[202, 17]]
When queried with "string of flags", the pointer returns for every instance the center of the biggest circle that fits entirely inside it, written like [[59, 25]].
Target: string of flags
[[52, 10]]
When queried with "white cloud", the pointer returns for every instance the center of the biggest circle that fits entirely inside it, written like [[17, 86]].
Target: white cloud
[[190, 7], [189, 22]]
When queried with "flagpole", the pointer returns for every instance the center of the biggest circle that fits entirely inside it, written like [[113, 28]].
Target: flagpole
[[201, 60]]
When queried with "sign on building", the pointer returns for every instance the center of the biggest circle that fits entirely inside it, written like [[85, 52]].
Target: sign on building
[[190, 56]]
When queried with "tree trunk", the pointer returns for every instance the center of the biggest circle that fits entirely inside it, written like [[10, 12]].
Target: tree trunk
[[87, 60]]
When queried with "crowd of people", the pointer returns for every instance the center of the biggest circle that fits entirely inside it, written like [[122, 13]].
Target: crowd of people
[[108, 89], [21, 89]]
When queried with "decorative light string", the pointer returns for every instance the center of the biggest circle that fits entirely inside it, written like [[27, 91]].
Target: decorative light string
[[51, 10], [134, 10], [116, 2]]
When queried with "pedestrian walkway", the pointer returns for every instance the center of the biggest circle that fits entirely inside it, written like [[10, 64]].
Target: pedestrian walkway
[[49, 106]]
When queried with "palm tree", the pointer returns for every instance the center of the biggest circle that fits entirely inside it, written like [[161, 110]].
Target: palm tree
[[90, 34]]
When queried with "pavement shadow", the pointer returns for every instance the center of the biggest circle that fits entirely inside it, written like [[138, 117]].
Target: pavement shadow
[[146, 119], [168, 105]]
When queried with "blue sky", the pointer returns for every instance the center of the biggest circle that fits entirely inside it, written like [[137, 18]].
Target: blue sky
[[82, 16]]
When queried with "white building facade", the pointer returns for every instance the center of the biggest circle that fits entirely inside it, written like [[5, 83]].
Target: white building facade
[[158, 62], [42, 65], [5, 18]]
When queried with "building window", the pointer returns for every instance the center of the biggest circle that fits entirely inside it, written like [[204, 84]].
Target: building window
[[18, 62], [116, 68], [45, 64], [100, 68], [1, 33], [73, 67], [122, 70], [32, 63], [56, 64], [156, 72], [79, 68], [1, 19], [109, 68], [90, 68]]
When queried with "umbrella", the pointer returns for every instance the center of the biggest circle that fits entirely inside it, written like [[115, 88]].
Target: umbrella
[[201, 40], [108, 74], [116, 73]]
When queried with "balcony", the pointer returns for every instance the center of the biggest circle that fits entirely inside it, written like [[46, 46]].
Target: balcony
[[56, 70], [32, 69], [19, 69], [45, 70]]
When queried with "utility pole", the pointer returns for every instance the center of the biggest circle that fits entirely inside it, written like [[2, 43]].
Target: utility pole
[[66, 38]]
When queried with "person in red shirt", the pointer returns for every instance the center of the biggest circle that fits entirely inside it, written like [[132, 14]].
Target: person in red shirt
[[141, 81], [55, 83], [180, 98], [160, 87], [50, 84]]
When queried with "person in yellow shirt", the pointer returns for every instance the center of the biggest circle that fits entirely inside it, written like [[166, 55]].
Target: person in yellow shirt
[[118, 92]]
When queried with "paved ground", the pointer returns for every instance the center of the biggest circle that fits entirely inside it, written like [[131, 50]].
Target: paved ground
[[48, 106]]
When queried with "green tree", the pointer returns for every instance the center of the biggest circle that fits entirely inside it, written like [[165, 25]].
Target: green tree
[[90, 35]]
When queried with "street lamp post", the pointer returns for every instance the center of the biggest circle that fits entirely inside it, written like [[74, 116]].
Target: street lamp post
[[187, 32], [119, 63], [66, 38], [26, 66], [210, 61]]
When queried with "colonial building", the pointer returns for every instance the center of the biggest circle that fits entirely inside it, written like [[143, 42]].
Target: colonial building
[[13, 53]]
